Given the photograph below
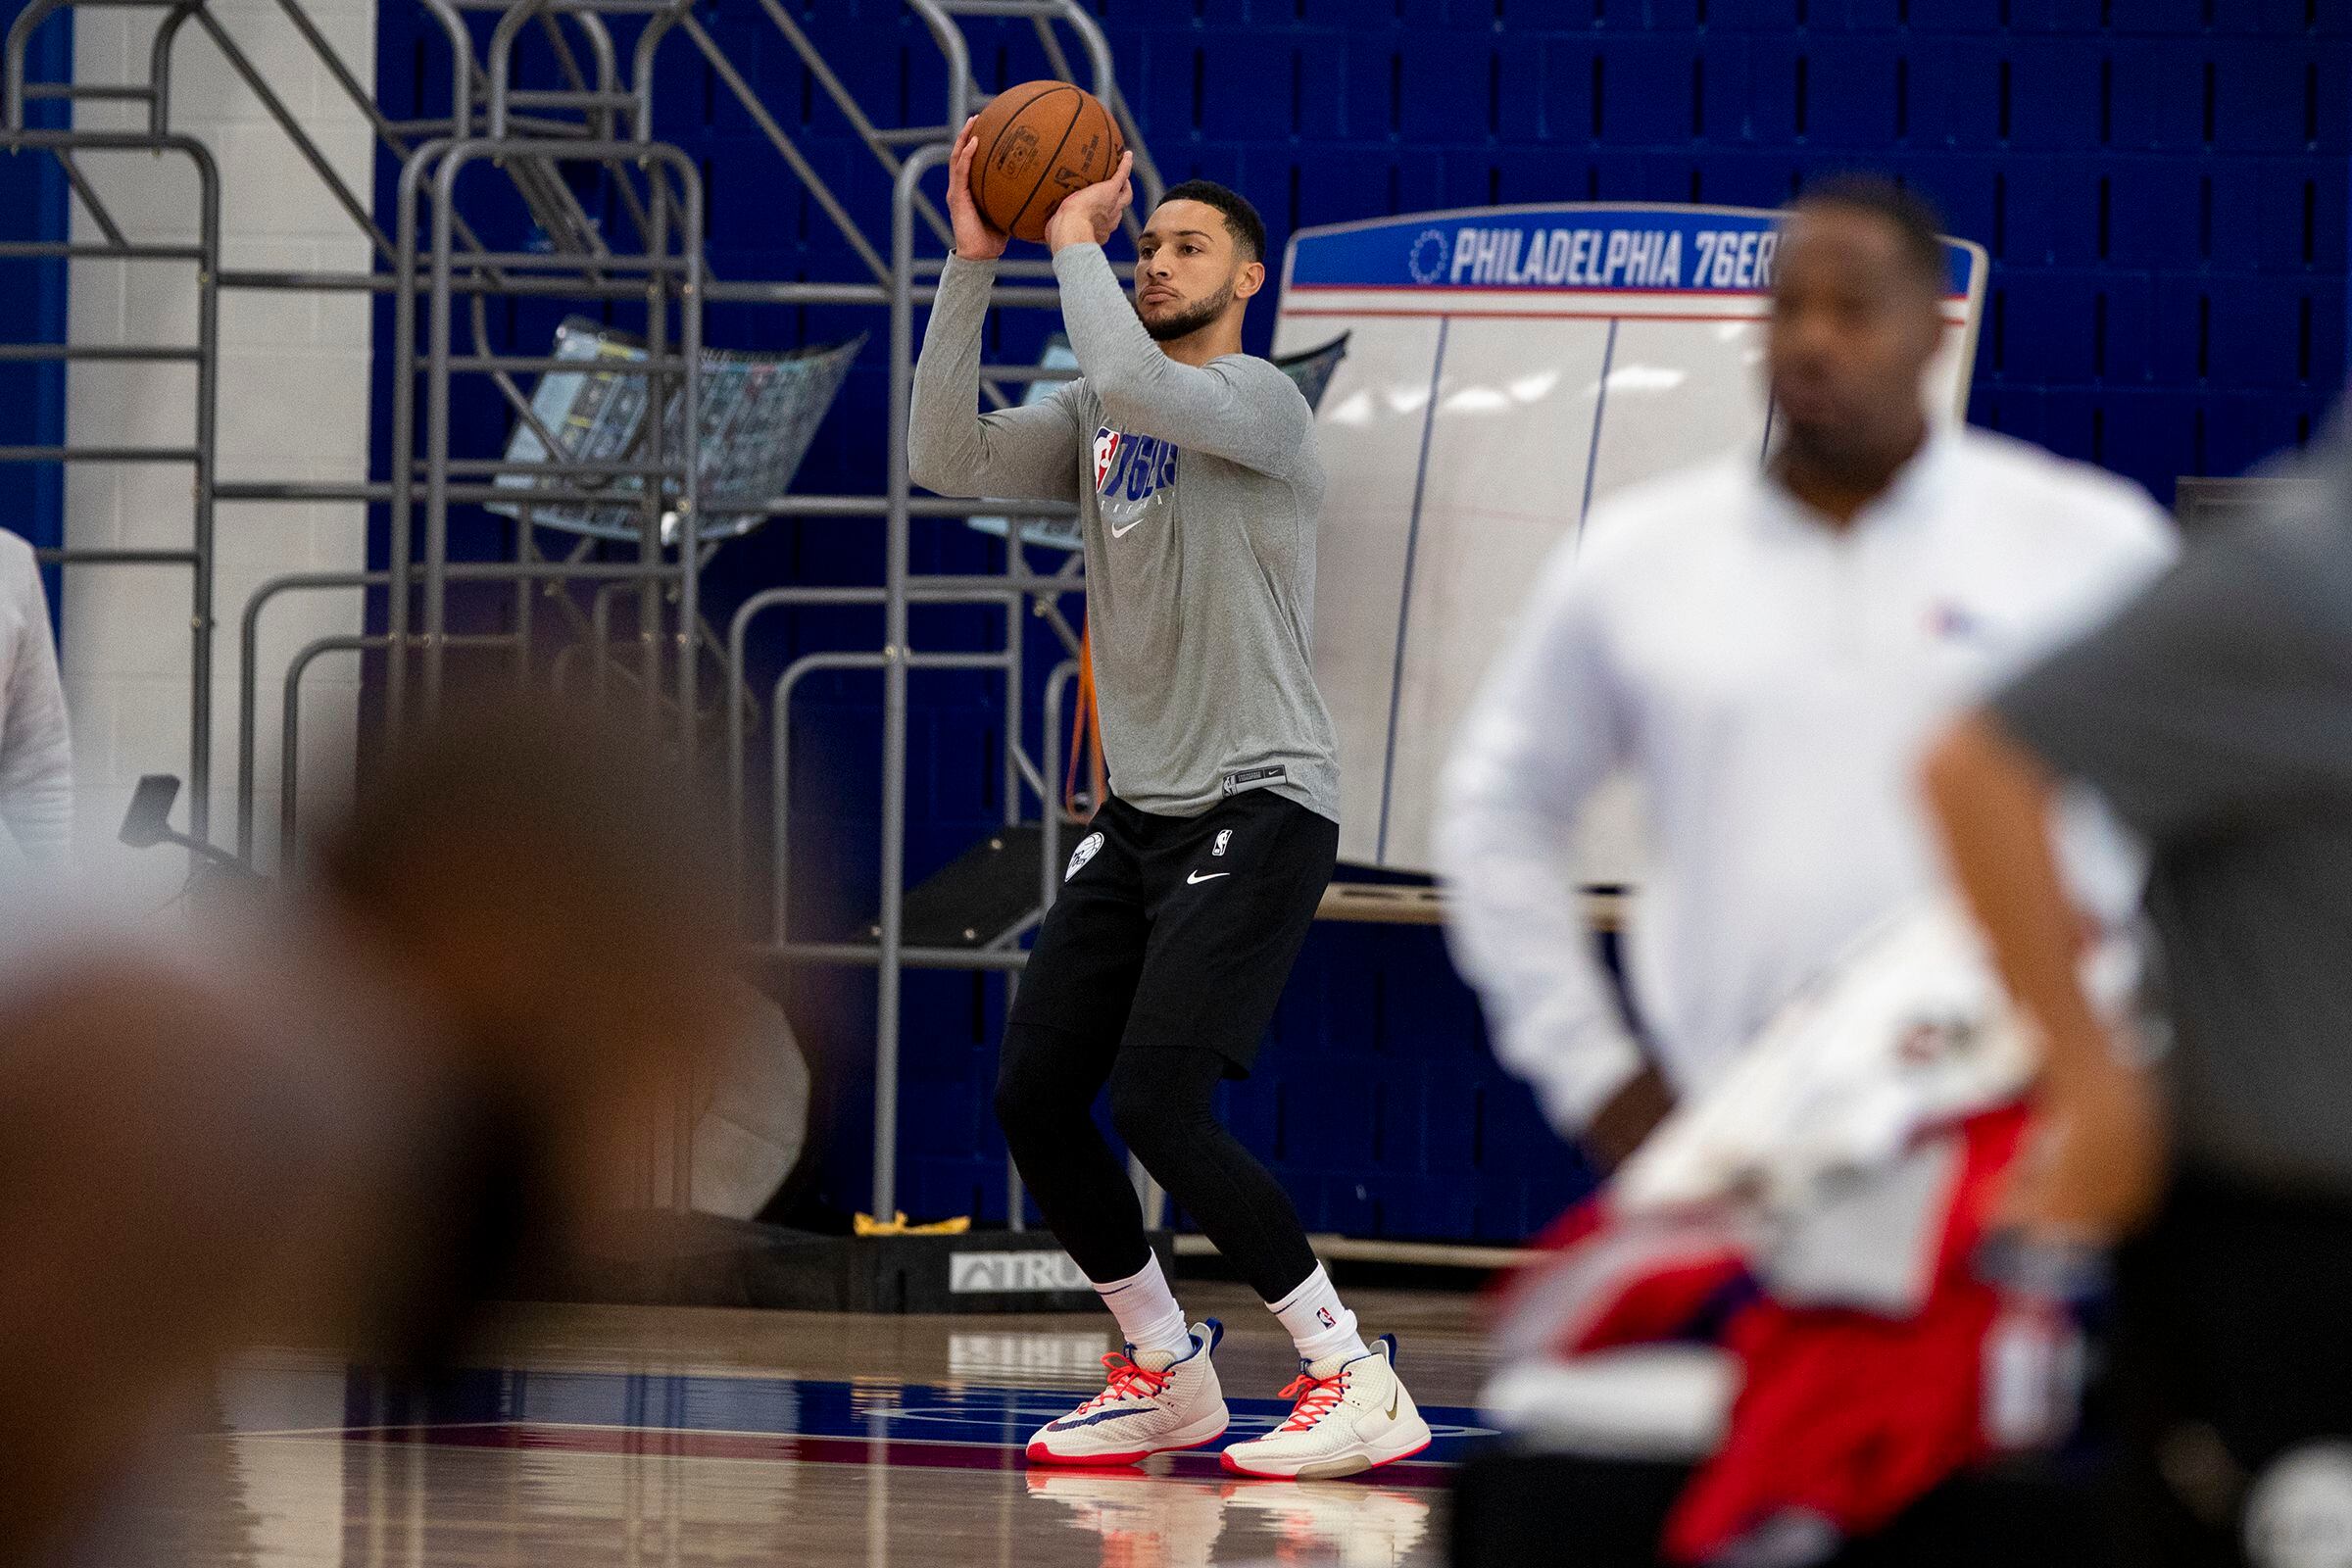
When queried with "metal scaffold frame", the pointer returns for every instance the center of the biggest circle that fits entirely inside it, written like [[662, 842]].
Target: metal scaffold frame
[[515, 136]]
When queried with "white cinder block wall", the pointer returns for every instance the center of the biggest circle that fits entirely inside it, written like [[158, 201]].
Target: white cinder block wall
[[292, 405]]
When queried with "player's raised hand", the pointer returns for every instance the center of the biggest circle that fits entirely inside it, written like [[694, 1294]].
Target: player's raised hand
[[975, 239], [1089, 216]]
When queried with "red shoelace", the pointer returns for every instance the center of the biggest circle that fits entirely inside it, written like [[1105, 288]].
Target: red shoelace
[[1127, 1382], [1314, 1395]]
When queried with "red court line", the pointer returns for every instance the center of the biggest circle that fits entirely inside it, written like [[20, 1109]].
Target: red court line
[[896, 1452]]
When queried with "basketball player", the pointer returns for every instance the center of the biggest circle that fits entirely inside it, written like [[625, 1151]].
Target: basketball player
[[1194, 469], [2210, 713], [1766, 648]]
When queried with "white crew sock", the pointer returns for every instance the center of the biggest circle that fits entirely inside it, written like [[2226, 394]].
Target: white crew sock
[[1319, 1325], [1148, 1313]]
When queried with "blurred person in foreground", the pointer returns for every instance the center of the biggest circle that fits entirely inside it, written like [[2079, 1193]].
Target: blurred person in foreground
[[1767, 650], [337, 1122], [2214, 716]]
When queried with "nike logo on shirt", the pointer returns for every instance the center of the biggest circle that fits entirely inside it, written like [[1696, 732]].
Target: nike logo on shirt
[[1117, 532], [1196, 879]]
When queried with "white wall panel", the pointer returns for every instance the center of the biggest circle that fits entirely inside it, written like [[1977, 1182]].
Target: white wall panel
[[1377, 406], [1572, 351], [293, 405]]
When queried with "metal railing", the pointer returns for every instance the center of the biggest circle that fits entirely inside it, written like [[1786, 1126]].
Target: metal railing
[[509, 138], [203, 355]]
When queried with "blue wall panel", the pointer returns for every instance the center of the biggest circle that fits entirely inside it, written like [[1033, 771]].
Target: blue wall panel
[[32, 305], [2161, 183]]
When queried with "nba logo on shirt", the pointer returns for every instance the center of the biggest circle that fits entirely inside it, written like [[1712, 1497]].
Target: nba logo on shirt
[[1223, 839], [1133, 476]]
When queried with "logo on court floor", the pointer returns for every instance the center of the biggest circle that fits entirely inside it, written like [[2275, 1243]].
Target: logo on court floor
[[1012, 1273], [1088, 848]]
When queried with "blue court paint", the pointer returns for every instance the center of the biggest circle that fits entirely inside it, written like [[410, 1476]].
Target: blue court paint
[[1404, 599]]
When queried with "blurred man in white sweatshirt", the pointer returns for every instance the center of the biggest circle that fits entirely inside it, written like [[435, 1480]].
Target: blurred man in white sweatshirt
[[37, 763], [1766, 650]]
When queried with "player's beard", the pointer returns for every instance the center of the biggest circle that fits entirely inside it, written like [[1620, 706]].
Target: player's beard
[[1168, 329]]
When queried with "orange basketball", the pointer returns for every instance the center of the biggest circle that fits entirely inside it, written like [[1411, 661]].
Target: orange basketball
[[1038, 142]]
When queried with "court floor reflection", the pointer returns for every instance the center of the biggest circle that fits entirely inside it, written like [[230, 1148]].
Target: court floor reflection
[[583, 1436]]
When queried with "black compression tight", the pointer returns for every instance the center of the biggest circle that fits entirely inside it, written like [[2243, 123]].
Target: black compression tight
[[1162, 1104]]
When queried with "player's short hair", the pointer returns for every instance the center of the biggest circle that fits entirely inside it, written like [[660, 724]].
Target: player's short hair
[[1916, 224], [1248, 230]]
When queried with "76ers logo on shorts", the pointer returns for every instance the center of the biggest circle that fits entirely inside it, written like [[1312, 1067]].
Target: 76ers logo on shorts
[[1134, 475], [1088, 848]]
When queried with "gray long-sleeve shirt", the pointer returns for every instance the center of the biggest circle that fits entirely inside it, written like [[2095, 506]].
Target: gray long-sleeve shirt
[[1199, 492]]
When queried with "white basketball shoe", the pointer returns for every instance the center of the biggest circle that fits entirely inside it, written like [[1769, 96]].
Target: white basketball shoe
[[1348, 1416], [1152, 1403]]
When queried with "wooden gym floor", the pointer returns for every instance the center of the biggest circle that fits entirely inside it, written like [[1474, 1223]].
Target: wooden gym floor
[[589, 1435]]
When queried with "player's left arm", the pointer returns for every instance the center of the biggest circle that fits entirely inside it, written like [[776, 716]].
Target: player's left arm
[[1240, 409], [1551, 721], [2202, 705]]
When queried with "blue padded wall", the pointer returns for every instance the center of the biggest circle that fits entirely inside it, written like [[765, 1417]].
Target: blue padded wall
[[2162, 184], [33, 307]]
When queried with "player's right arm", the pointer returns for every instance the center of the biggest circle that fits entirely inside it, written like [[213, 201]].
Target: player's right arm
[[1018, 453], [1548, 728]]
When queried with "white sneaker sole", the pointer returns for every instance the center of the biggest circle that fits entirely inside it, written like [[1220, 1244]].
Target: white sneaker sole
[[1406, 1440], [1209, 1428]]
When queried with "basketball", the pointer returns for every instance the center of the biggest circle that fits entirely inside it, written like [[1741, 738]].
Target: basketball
[[1038, 142]]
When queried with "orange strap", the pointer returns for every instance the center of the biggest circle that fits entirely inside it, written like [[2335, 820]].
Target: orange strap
[[1086, 737]]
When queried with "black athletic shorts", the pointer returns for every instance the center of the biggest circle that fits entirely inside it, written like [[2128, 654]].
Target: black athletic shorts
[[1180, 930]]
